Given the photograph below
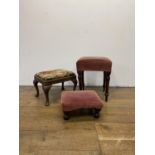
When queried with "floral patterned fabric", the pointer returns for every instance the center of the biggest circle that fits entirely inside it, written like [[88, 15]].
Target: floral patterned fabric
[[54, 74]]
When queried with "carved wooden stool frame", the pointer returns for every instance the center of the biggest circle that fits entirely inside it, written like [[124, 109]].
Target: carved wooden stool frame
[[46, 85]]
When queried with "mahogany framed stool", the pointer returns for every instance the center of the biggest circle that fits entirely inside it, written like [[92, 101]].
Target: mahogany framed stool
[[48, 78], [94, 64]]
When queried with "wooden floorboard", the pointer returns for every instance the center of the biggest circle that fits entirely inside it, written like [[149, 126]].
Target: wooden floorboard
[[117, 147], [44, 132]]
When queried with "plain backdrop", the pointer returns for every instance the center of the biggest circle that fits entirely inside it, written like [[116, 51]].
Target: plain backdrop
[[55, 33], [9, 66]]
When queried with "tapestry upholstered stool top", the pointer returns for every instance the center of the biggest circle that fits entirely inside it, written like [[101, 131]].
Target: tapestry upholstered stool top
[[47, 78], [73, 100]]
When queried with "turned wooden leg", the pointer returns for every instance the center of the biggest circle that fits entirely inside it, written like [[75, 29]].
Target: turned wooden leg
[[35, 83], [66, 115], [80, 79], [104, 81], [62, 87], [96, 113], [107, 86], [46, 91], [75, 83]]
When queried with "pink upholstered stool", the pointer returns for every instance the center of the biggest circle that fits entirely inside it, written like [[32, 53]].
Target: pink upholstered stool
[[73, 100], [95, 64]]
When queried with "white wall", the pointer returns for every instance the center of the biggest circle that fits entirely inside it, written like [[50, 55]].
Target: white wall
[[55, 33]]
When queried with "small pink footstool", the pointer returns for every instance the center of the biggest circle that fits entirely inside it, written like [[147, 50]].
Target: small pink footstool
[[73, 100]]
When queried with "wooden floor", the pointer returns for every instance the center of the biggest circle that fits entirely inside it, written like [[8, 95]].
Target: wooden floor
[[44, 132]]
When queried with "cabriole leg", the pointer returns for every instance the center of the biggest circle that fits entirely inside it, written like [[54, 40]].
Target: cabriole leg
[[46, 91], [35, 83], [75, 83]]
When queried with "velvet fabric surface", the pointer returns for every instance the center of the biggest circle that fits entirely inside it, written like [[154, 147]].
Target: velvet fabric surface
[[94, 64], [73, 100]]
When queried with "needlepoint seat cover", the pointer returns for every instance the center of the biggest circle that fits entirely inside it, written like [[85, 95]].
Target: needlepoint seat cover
[[54, 74], [50, 77]]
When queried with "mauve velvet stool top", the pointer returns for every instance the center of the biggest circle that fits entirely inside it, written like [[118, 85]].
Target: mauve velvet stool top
[[94, 64], [73, 100]]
